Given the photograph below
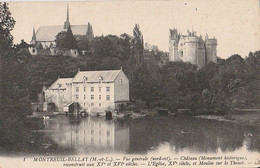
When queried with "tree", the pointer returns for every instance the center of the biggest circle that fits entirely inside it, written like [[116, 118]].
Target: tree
[[107, 46], [6, 54], [83, 42], [126, 46], [137, 45], [66, 40], [70, 40], [14, 104], [60, 40]]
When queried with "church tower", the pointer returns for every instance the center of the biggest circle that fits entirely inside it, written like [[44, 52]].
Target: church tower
[[90, 33], [67, 22], [32, 48], [33, 41]]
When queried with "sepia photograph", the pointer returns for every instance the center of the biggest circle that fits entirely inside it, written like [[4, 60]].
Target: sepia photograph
[[120, 83]]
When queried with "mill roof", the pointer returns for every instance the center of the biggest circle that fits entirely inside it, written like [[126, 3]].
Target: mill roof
[[60, 83], [48, 33], [95, 76]]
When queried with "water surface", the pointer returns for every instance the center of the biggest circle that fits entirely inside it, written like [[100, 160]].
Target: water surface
[[92, 135]]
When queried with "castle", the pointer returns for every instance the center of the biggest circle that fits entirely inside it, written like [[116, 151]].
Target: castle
[[191, 48], [44, 37]]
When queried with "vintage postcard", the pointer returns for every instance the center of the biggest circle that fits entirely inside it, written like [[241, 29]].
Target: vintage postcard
[[167, 83]]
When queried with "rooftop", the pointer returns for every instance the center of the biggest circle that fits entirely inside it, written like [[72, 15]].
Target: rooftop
[[60, 83], [48, 33], [96, 76]]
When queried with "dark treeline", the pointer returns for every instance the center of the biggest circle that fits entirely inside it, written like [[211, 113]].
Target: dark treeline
[[232, 83]]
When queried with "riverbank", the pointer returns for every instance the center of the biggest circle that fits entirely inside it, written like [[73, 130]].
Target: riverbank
[[41, 114], [252, 119]]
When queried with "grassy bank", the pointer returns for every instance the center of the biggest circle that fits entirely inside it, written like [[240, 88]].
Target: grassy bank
[[247, 118]]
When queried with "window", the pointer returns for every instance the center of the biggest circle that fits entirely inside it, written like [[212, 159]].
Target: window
[[99, 97], [92, 89], [76, 97], [108, 97], [84, 97], [77, 89], [108, 89], [121, 81], [85, 79], [108, 133], [84, 104], [99, 104], [181, 53], [92, 104], [99, 89], [84, 89], [92, 97]]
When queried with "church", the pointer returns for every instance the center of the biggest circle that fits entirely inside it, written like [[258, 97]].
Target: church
[[44, 37]]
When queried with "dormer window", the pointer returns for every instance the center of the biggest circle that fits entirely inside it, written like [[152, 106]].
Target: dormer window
[[85, 79], [100, 78], [59, 85]]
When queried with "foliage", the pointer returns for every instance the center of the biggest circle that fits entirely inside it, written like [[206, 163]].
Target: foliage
[[70, 40], [60, 40], [83, 42], [66, 40], [231, 83], [14, 103]]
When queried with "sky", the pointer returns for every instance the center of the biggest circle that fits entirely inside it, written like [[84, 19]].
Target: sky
[[235, 24]]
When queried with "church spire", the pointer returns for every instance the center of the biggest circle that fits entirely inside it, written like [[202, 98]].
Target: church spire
[[68, 15], [67, 22], [33, 37]]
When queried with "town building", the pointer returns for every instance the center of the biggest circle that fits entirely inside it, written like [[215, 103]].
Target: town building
[[92, 91], [58, 94], [43, 40], [192, 48]]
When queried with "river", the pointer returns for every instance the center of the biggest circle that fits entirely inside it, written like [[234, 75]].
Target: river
[[66, 135]]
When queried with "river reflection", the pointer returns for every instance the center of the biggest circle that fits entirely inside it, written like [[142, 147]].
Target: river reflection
[[90, 134], [140, 136]]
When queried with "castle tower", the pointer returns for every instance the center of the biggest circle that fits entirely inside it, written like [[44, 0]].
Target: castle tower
[[201, 60], [173, 45], [211, 50], [67, 22], [191, 49]]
